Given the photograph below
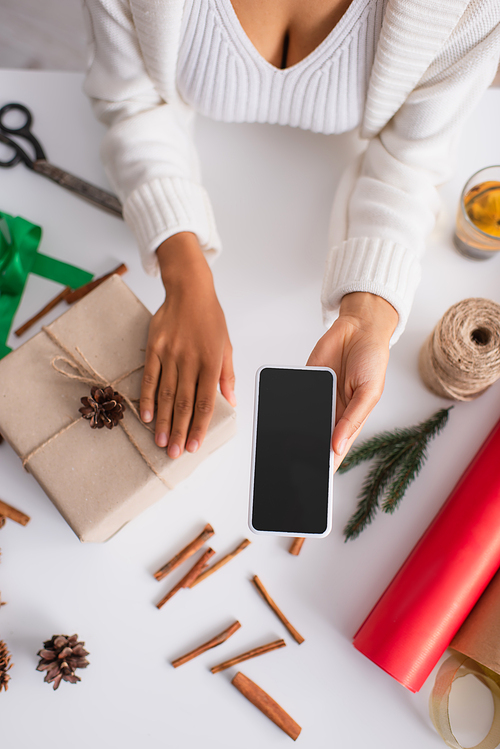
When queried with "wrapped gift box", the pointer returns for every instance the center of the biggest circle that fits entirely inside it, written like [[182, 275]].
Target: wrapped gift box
[[97, 478]]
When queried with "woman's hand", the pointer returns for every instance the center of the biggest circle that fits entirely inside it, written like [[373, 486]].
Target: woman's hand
[[188, 351], [356, 347]]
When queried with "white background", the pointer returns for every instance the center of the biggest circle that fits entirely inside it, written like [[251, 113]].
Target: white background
[[272, 189]]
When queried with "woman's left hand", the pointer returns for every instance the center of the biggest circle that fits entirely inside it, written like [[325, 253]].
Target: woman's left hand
[[356, 347]]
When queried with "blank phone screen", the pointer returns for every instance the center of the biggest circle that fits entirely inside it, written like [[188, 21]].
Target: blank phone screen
[[292, 451]]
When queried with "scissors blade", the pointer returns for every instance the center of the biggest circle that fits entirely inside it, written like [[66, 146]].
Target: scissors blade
[[93, 194]]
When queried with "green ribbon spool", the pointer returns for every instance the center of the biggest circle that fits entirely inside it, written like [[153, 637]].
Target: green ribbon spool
[[19, 256]]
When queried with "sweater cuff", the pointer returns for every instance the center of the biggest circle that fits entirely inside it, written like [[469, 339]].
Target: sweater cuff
[[166, 206], [380, 266]]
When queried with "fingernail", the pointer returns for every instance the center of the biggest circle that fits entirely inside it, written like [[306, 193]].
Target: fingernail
[[147, 416], [161, 439], [174, 451], [232, 399], [342, 447], [192, 446]]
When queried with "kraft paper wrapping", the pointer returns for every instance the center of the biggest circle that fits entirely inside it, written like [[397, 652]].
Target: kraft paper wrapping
[[479, 636], [422, 609], [95, 477]]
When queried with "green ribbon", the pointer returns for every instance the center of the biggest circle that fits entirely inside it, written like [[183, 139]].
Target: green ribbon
[[19, 256]]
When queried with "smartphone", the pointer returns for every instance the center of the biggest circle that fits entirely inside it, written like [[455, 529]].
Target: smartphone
[[292, 457]]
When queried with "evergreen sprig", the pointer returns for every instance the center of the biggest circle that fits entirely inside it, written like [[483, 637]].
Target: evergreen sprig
[[399, 457]]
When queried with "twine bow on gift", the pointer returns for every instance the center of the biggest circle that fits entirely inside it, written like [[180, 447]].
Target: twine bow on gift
[[19, 256], [83, 371], [455, 667]]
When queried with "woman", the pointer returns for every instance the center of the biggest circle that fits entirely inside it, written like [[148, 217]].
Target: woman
[[406, 71]]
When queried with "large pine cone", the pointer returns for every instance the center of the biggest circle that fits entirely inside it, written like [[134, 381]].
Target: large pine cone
[[104, 407], [5, 665], [60, 657]]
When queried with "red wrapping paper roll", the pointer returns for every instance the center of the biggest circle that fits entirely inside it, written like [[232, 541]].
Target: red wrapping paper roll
[[417, 616]]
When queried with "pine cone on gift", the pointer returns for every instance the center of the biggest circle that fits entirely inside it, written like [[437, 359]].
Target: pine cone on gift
[[5, 665], [104, 407], [60, 657]]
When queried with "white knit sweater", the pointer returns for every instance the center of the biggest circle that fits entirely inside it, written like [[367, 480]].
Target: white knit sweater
[[434, 60], [222, 75]]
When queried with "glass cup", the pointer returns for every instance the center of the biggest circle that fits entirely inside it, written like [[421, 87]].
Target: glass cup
[[477, 231]]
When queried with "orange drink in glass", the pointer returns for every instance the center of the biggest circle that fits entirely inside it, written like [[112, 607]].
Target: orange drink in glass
[[477, 231]]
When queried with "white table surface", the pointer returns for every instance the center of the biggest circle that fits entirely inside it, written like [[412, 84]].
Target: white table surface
[[272, 189]]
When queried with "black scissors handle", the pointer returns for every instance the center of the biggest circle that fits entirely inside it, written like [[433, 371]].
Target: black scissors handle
[[39, 163], [23, 131]]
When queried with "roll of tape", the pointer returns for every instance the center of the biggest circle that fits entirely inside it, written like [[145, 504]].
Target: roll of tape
[[456, 666]]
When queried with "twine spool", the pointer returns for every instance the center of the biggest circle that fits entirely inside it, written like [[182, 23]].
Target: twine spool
[[461, 357]]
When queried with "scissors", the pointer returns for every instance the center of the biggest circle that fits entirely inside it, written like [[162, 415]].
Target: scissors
[[39, 163]]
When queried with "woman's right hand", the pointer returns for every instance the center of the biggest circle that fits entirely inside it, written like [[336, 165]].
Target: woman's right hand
[[356, 347], [188, 352]]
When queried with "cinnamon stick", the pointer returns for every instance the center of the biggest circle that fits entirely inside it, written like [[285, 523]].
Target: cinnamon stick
[[82, 291], [70, 296], [267, 598], [10, 512], [185, 553], [217, 565], [266, 705], [187, 579], [53, 303], [296, 546], [217, 640], [268, 648]]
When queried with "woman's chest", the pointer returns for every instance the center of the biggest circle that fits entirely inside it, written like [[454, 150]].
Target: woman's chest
[[284, 32]]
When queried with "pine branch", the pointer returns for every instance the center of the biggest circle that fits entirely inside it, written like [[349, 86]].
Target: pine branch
[[371, 448], [405, 474], [401, 454], [373, 488], [415, 458], [386, 441]]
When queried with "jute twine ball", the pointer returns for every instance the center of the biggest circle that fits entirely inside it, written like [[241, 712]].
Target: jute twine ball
[[461, 357]]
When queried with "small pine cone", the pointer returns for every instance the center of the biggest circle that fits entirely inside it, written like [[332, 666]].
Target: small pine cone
[[60, 657], [5, 665], [104, 407]]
